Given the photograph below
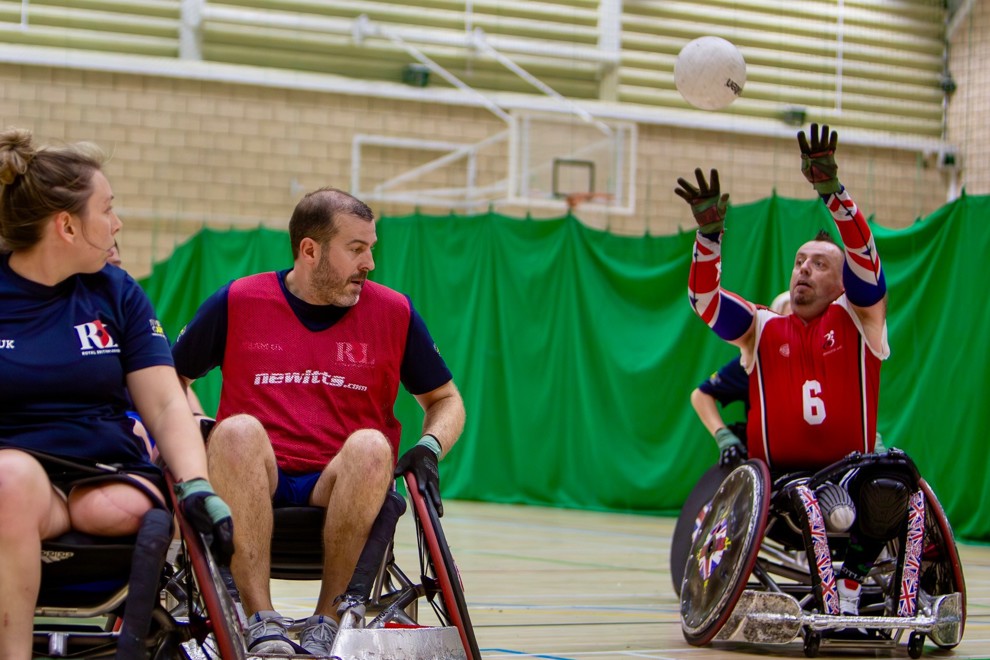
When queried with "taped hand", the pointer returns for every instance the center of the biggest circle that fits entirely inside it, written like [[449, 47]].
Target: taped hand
[[208, 515], [707, 205], [818, 160]]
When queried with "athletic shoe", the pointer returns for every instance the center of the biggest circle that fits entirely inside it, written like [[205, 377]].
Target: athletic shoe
[[318, 634], [849, 591], [267, 632]]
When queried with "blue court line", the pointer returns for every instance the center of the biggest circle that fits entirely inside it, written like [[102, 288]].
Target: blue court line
[[514, 652]]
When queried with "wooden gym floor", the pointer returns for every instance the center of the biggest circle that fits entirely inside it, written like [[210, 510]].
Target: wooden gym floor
[[558, 585]]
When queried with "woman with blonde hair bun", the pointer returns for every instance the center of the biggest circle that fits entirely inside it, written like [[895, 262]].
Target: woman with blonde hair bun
[[75, 336]]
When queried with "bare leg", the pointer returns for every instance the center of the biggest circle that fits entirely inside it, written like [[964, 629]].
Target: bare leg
[[113, 509], [352, 488], [243, 473], [30, 510]]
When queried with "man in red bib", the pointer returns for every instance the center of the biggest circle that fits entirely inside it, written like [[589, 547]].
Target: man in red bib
[[312, 359], [815, 373]]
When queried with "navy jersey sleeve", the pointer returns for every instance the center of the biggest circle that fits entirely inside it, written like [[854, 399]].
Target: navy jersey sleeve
[[201, 344], [728, 384], [144, 342], [423, 370]]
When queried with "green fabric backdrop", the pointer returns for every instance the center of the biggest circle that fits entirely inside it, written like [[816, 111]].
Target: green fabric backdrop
[[576, 349]]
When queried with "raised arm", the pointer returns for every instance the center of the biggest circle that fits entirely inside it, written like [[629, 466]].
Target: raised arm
[[729, 315], [862, 275]]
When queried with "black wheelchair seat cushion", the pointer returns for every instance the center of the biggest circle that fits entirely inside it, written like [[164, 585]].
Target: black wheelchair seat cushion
[[80, 570], [297, 542]]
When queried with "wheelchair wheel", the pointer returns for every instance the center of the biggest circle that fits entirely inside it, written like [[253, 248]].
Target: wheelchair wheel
[[941, 570], [691, 518], [439, 570], [724, 552], [213, 618]]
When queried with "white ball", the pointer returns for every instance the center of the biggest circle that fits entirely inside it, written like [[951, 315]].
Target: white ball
[[710, 73]]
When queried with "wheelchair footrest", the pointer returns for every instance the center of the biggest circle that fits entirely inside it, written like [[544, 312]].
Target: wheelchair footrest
[[407, 643], [765, 617]]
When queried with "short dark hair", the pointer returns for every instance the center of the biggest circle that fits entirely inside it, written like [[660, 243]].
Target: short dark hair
[[825, 237], [315, 216]]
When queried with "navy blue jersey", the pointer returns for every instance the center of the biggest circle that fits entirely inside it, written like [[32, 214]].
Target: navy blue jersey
[[200, 346], [64, 353], [730, 383]]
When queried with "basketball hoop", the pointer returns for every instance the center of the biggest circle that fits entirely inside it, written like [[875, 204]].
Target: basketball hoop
[[576, 199]]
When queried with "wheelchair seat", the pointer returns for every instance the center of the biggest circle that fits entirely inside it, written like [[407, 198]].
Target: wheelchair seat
[[297, 543], [83, 572], [103, 596]]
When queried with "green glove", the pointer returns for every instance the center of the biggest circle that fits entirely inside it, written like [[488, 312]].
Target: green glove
[[731, 449], [707, 205], [208, 514], [818, 160]]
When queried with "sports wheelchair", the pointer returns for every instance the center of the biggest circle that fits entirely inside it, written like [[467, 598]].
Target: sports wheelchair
[[119, 596], [381, 605], [751, 560], [149, 596]]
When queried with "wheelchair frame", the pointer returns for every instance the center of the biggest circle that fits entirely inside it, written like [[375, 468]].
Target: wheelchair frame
[[773, 580]]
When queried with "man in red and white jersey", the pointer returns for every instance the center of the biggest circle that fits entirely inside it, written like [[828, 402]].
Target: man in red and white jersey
[[815, 373], [312, 358]]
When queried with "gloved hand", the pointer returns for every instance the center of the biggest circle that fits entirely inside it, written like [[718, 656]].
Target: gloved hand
[[733, 451], [818, 160], [421, 460], [707, 205], [208, 514]]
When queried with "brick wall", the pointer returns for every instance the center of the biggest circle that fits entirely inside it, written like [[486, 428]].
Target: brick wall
[[187, 154]]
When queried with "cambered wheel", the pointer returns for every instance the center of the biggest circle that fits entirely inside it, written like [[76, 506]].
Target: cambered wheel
[[212, 604], [691, 518], [724, 552], [438, 568], [941, 570]]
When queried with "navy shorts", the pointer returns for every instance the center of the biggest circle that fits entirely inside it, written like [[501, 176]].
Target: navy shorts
[[294, 489]]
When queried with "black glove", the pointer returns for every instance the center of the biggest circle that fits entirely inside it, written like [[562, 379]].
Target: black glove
[[733, 451], [707, 205], [421, 460], [208, 515], [818, 160]]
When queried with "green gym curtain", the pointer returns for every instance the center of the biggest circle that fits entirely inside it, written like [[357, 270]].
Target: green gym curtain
[[576, 350]]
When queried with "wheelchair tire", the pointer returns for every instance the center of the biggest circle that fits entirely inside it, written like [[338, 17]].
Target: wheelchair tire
[[438, 567], [941, 569], [689, 520], [211, 598], [724, 552]]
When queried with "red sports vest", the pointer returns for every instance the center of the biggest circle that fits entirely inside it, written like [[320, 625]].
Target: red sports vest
[[814, 390], [311, 390]]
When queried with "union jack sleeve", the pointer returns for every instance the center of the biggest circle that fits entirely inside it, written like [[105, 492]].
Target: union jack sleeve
[[862, 275], [729, 315]]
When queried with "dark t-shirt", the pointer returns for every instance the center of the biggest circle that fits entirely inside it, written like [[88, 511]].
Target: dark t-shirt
[[64, 353], [729, 384]]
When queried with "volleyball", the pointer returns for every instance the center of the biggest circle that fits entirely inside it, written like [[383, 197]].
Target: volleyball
[[710, 73]]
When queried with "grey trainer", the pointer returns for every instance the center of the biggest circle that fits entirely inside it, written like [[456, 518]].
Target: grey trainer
[[267, 632], [318, 634]]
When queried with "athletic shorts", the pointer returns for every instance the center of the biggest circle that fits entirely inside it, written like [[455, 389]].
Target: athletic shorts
[[294, 489]]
